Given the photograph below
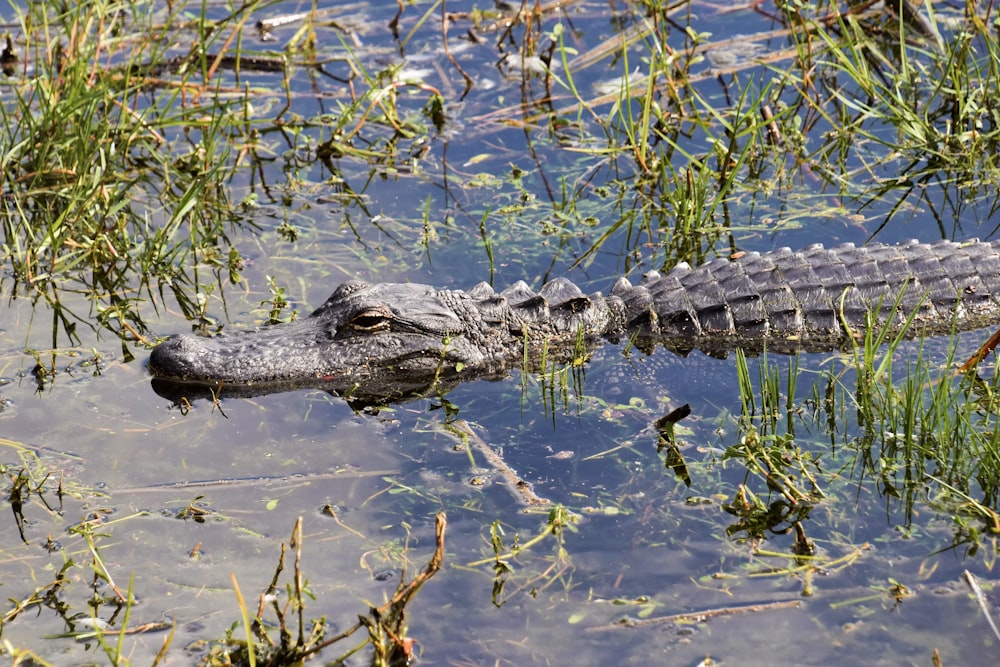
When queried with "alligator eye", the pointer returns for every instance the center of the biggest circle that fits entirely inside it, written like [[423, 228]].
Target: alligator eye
[[370, 320]]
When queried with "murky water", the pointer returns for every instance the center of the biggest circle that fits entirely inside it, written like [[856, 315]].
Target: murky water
[[187, 501]]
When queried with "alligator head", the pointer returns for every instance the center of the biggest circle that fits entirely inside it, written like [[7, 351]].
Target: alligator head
[[385, 342], [388, 340]]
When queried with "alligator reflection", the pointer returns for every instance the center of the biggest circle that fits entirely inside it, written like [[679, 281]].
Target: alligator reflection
[[180, 393]]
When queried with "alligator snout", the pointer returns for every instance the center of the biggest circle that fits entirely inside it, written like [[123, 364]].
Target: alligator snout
[[179, 357]]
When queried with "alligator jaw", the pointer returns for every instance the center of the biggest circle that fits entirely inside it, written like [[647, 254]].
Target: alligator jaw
[[265, 356]]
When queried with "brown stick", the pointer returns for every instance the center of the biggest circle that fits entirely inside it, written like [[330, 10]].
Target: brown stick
[[404, 593], [696, 616], [984, 605], [519, 487], [981, 353]]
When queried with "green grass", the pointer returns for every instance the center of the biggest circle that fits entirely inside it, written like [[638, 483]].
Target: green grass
[[115, 179], [120, 151], [919, 433]]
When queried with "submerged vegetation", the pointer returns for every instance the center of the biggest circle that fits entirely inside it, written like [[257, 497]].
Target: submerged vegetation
[[156, 153]]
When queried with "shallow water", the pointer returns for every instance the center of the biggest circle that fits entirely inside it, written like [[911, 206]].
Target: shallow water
[[643, 543]]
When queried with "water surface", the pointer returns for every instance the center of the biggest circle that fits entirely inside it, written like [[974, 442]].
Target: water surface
[[188, 499]]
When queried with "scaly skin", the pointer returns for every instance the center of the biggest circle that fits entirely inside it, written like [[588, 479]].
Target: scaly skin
[[387, 341]]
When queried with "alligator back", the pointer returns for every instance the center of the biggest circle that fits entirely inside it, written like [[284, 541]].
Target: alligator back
[[817, 296]]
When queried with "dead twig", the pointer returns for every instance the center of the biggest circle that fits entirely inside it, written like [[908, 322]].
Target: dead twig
[[970, 579], [696, 616], [981, 353], [521, 489], [390, 617]]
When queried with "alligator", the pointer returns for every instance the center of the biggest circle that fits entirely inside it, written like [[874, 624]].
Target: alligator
[[388, 341]]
